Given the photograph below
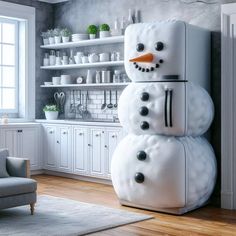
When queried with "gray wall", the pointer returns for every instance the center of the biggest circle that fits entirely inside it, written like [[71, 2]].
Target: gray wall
[[78, 14]]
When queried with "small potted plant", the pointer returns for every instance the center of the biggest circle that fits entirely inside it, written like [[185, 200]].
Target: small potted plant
[[92, 31], [104, 30], [51, 36], [65, 33], [51, 112], [57, 35], [45, 37]]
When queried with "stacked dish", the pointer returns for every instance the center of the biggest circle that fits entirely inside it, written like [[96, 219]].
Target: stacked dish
[[79, 37]]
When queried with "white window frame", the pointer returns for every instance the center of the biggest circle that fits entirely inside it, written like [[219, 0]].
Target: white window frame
[[16, 44], [26, 17]]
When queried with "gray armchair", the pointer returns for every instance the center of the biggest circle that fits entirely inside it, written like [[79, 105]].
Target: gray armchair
[[16, 187]]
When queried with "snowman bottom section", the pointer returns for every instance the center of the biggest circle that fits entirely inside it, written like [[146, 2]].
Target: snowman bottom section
[[160, 172]]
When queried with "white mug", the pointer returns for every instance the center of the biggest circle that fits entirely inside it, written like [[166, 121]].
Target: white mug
[[104, 57], [78, 59], [56, 80], [65, 60], [93, 58], [84, 59], [58, 61]]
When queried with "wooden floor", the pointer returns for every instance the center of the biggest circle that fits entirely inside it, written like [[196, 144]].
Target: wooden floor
[[205, 221]]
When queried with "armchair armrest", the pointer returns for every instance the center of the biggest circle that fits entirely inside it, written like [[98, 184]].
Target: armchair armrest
[[18, 167]]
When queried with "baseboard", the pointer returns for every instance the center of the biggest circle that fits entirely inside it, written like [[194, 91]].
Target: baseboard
[[227, 200], [36, 172], [78, 177]]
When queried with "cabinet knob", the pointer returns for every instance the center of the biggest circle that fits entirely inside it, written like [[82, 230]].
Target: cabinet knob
[[81, 133], [113, 136], [19, 131], [106, 146], [58, 141], [89, 145], [64, 132], [97, 135], [51, 132]]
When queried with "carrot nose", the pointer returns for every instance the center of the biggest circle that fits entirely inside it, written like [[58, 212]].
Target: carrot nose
[[144, 58]]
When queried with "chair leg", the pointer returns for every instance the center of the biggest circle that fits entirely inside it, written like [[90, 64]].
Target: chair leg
[[32, 208]]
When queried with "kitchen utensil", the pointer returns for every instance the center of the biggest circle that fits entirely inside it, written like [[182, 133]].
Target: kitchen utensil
[[85, 59], [89, 78], [104, 102], [93, 58], [47, 83], [116, 104], [66, 79], [98, 77], [71, 103], [79, 106], [62, 101], [57, 99], [104, 57], [110, 105], [56, 80], [86, 112]]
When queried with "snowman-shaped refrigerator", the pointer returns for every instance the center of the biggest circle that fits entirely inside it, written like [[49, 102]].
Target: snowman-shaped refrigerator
[[164, 163]]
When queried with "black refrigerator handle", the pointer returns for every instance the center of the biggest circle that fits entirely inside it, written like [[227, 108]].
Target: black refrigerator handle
[[170, 106], [165, 108]]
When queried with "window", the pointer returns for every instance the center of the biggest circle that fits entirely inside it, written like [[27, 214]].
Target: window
[[9, 76]]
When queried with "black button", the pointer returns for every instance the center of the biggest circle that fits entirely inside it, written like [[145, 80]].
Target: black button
[[159, 46], [144, 96], [144, 125], [140, 47], [139, 177], [143, 111], [141, 155]]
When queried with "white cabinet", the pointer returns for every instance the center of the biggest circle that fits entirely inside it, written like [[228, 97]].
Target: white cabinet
[[80, 148], [58, 148], [97, 151], [49, 141], [22, 142], [113, 137], [93, 149]]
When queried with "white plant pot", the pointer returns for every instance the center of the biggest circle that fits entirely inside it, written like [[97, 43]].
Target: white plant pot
[[104, 34], [57, 39], [46, 41], [92, 36], [65, 39], [51, 40], [51, 115]]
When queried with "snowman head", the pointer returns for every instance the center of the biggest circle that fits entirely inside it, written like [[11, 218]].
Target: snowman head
[[155, 51]]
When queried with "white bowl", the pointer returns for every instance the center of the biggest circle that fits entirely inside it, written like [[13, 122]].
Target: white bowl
[[66, 79], [47, 83], [77, 37]]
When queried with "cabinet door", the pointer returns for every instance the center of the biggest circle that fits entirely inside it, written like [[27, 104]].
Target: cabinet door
[[113, 136], [97, 154], [50, 148], [81, 151], [9, 140], [28, 145], [64, 146]]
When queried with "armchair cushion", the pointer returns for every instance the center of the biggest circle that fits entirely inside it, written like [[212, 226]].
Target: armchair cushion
[[3, 160], [18, 167], [15, 186]]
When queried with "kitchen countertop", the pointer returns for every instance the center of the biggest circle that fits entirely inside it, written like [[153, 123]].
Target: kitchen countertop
[[81, 122], [20, 124]]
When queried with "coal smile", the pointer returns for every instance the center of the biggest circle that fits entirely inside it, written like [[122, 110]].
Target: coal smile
[[149, 69]]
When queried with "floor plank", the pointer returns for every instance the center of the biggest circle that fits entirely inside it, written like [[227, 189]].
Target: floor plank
[[205, 221]]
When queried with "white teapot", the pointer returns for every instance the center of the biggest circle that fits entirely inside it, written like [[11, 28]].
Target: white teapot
[[93, 58]]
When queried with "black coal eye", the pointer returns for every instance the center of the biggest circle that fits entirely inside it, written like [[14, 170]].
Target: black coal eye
[[140, 47], [159, 46]]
